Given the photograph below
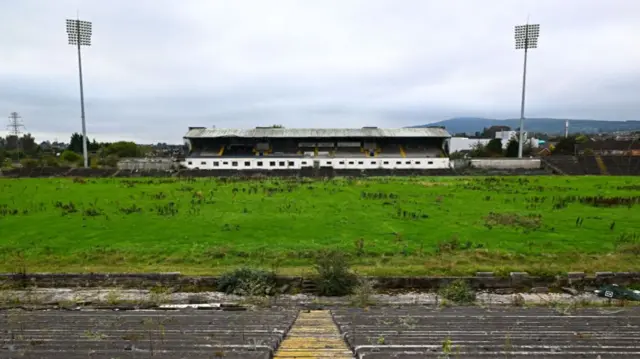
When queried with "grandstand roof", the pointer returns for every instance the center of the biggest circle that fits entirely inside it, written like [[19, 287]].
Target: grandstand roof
[[261, 132]]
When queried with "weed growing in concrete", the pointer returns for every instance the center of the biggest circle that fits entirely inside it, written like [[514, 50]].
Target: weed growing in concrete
[[94, 335], [517, 300], [363, 293], [446, 348], [458, 292], [248, 281], [334, 274], [113, 297]]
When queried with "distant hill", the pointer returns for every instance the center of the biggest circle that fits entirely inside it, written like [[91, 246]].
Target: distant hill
[[545, 125]]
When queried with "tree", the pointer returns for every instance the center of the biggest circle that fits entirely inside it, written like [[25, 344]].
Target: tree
[[512, 148], [123, 149], [93, 146], [565, 146], [494, 147], [28, 144], [582, 139], [11, 143], [75, 144]]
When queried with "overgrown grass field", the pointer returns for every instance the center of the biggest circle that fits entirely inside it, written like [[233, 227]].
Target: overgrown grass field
[[388, 226]]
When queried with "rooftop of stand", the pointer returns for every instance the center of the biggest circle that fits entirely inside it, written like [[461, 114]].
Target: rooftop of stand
[[271, 132]]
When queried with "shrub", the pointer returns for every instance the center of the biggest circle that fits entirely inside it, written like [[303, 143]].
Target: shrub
[[247, 281], [70, 156], [458, 292], [334, 274], [50, 161], [29, 163], [110, 161]]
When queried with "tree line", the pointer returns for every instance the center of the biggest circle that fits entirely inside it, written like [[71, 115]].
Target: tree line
[[494, 148], [29, 153]]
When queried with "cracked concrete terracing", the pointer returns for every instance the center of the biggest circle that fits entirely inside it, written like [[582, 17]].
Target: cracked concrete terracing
[[411, 331], [53, 296], [504, 332]]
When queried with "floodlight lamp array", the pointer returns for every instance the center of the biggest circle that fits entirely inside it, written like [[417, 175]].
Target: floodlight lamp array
[[526, 36], [79, 30]]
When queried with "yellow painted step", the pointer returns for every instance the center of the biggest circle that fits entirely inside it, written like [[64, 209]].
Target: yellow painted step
[[314, 335], [402, 152]]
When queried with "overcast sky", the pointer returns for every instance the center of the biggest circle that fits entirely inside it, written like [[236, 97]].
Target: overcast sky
[[158, 66]]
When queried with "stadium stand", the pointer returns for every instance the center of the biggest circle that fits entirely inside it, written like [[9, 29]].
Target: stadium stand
[[567, 165], [594, 165], [345, 149], [622, 165], [590, 165]]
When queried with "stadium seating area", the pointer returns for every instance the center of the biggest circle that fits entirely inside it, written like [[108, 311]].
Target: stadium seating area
[[622, 165], [390, 150], [590, 165], [349, 152], [594, 165], [421, 151]]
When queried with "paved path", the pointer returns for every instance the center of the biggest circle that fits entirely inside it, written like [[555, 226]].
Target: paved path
[[314, 335]]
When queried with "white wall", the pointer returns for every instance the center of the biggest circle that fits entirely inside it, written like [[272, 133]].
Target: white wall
[[457, 144], [273, 163], [506, 163]]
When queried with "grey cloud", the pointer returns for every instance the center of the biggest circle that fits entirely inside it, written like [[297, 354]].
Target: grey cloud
[[158, 66]]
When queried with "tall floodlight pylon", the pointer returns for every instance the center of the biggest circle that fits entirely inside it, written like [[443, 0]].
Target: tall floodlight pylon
[[526, 38], [80, 35]]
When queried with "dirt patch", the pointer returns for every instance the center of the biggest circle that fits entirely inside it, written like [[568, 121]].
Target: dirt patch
[[529, 221], [433, 184]]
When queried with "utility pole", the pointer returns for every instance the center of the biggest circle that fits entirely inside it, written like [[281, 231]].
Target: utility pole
[[15, 129]]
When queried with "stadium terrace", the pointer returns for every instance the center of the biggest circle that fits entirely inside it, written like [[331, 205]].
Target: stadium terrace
[[272, 148]]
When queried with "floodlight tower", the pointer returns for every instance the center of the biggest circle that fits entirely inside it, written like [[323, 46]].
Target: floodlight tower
[[526, 38], [80, 35]]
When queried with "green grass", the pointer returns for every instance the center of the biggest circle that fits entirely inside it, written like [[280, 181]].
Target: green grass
[[389, 226]]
